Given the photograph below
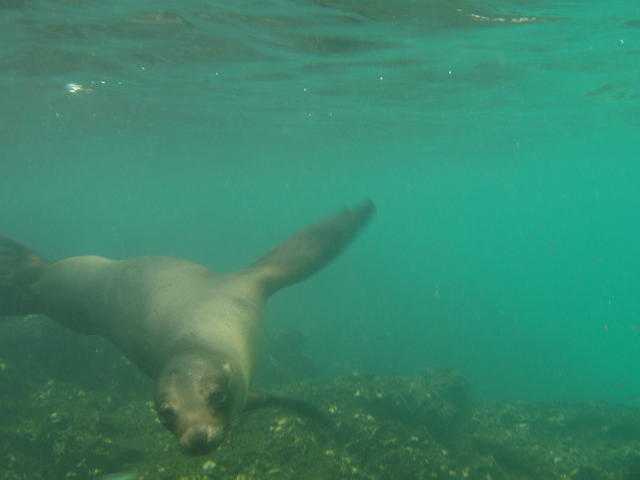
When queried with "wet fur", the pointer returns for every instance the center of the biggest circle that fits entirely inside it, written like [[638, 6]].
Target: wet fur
[[196, 333]]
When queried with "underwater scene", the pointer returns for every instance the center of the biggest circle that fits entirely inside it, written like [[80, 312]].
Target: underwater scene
[[422, 216]]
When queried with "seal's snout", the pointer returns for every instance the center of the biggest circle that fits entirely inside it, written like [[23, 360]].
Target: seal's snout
[[201, 439]]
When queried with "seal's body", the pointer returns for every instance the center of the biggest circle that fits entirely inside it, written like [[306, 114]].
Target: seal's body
[[196, 333]]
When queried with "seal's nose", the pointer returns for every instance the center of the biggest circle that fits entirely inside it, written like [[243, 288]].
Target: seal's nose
[[199, 439]]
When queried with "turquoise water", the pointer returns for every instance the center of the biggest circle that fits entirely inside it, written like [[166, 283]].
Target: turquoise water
[[498, 139]]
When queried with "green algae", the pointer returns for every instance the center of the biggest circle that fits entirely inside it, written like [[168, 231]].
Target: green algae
[[380, 428], [99, 419]]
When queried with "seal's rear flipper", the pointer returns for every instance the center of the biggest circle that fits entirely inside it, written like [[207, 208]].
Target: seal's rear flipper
[[307, 251], [20, 268]]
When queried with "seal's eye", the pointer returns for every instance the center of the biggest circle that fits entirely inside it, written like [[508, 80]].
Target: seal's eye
[[167, 415], [217, 398]]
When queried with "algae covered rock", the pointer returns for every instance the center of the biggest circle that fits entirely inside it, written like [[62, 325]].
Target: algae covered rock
[[424, 427]]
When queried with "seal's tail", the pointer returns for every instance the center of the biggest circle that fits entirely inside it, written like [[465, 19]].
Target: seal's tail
[[307, 251], [20, 268]]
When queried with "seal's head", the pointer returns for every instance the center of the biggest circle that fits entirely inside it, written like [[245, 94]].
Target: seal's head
[[196, 398]]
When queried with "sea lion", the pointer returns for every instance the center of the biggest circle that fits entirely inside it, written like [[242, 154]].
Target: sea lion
[[194, 332]]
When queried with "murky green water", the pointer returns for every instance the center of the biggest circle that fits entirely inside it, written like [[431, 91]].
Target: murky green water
[[498, 139]]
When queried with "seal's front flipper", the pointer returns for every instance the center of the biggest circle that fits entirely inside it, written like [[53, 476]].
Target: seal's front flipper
[[305, 409], [307, 251], [20, 268]]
